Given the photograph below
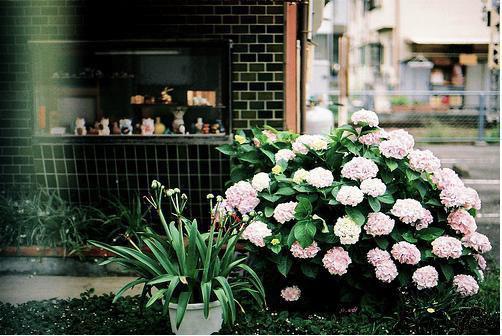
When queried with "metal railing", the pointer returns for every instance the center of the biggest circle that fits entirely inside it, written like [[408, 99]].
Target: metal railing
[[432, 116]]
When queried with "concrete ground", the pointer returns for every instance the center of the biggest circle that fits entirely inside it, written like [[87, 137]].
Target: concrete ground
[[481, 164]]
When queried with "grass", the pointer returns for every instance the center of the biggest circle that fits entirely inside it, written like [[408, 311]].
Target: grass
[[97, 315]]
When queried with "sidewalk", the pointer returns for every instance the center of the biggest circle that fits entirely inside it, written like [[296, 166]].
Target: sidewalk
[[17, 289]]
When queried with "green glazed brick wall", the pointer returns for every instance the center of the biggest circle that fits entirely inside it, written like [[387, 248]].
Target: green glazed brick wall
[[256, 27]]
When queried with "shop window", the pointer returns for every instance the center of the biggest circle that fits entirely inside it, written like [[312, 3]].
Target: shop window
[[163, 88]]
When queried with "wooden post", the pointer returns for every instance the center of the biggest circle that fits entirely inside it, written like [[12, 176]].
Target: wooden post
[[291, 119], [343, 77]]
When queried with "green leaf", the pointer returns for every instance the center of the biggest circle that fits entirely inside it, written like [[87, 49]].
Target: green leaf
[[309, 270], [251, 157], [422, 189], [269, 197], [304, 232], [386, 198], [374, 203], [382, 242], [403, 278], [408, 236], [434, 202], [356, 215], [285, 191], [268, 212], [447, 271], [284, 266], [157, 295], [206, 296], [303, 188], [303, 209], [333, 158], [226, 149], [127, 286], [182, 306], [276, 248], [411, 175], [269, 154], [291, 238], [238, 173], [391, 164], [429, 234], [346, 128]]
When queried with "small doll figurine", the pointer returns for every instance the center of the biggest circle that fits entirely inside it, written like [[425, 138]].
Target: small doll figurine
[[104, 127], [95, 129], [125, 126], [115, 128], [178, 120], [205, 129], [80, 127], [147, 126], [165, 96]]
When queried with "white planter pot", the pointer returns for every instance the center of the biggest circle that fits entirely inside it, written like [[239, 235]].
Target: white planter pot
[[194, 322]]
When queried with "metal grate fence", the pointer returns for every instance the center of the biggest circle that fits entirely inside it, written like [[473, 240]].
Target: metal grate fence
[[433, 116]]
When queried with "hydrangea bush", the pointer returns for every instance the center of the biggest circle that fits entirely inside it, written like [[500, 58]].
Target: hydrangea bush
[[361, 206]]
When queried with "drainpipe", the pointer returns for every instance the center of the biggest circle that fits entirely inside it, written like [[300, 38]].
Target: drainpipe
[[304, 33]]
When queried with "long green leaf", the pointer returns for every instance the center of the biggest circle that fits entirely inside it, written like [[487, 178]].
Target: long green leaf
[[220, 294], [158, 294], [228, 291], [206, 297], [127, 286], [182, 306], [161, 254], [170, 290], [161, 279], [254, 276]]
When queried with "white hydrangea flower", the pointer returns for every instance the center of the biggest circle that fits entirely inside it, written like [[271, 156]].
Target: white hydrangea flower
[[260, 181], [347, 230]]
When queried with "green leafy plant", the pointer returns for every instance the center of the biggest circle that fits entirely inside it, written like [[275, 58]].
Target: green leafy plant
[[45, 219], [185, 265], [332, 202]]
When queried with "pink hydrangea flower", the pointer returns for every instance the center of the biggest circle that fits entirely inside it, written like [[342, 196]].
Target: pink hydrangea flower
[[425, 277], [303, 143], [465, 285], [373, 187], [481, 261], [406, 253], [242, 196], [359, 168], [453, 196], [260, 181], [373, 138], [445, 177], [477, 241], [472, 199], [462, 222], [285, 212], [423, 161], [386, 271], [365, 117], [350, 195], [408, 210], [347, 230], [379, 224], [320, 177], [376, 256], [336, 261], [292, 293], [447, 247], [304, 253], [255, 232], [271, 136], [284, 155], [393, 149], [403, 137], [425, 221]]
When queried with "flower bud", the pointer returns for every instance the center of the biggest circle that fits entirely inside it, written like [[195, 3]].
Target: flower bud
[[245, 218], [210, 196], [156, 184], [184, 196], [176, 190]]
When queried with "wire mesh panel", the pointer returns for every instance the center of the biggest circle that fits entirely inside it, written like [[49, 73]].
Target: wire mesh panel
[[433, 116], [86, 173]]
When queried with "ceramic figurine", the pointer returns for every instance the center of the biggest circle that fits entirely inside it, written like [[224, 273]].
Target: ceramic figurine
[[147, 126], [115, 128], [182, 129], [137, 99], [94, 130], [165, 96], [222, 127], [198, 125], [160, 128], [104, 127], [205, 129], [80, 127], [215, 129], [178, 120], [125, 126]]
